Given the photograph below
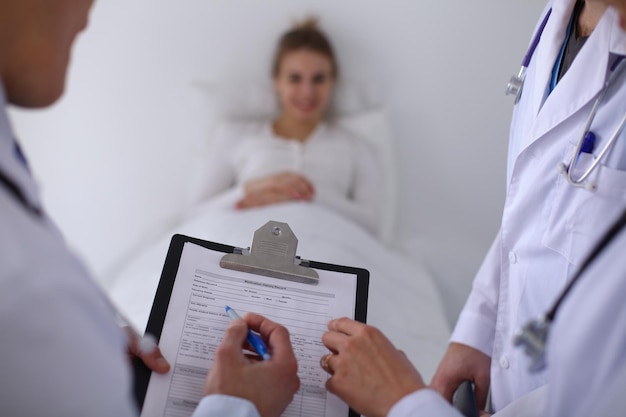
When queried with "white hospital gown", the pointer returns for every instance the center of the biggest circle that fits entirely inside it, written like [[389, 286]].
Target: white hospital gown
[[343, 169]]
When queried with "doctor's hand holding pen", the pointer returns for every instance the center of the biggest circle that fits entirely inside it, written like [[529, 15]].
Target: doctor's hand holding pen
[[366, 370], [269, 384]]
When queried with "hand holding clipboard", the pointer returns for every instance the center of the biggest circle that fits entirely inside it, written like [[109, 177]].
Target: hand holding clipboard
[[199, 277]]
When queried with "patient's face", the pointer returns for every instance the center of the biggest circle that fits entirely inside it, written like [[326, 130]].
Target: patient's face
[[304, 84]]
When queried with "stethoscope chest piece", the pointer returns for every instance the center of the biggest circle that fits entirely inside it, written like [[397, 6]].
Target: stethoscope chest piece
[[514, 87], [532, 337]]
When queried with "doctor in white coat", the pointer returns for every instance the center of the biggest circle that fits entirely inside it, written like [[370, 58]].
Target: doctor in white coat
[[548, 225], [61, 351], [586, 356], [63, 355], [548, 229]]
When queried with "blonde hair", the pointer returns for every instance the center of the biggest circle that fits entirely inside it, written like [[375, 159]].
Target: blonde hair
[[305, 34]]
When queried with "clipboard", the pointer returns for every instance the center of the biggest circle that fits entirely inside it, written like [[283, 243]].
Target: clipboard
[[272, 255]]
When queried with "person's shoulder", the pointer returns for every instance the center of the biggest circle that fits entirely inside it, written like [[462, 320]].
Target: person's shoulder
[[338, 132], [26, 236], [236, 129], [336, 129], [18, 227], [58, 284], [334, 132]]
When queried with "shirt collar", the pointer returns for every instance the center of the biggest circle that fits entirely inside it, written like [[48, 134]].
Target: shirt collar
[[617, 43], [10, 165], [319, 131]]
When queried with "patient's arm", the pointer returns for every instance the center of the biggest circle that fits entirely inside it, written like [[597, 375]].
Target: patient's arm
[[363, 203], [276, 188]]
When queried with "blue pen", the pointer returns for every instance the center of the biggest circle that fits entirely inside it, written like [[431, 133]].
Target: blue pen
[[253, 339], [588, 144]]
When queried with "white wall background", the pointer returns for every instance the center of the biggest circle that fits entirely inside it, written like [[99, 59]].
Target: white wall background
[[112, 154]]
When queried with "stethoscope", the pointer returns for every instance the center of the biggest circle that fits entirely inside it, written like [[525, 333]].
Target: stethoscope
[[516, 83], [147, 342], [14, 189], [17, 193], [587, 139], [532, 336]]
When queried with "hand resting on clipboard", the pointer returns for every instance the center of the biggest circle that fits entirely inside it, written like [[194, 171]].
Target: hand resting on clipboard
[[190, 322]]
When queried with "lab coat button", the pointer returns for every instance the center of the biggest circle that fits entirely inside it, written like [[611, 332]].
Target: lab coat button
[[512, 257], [504, 362]]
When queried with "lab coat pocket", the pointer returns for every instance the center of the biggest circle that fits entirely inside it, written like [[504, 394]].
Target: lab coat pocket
[[579, 217]]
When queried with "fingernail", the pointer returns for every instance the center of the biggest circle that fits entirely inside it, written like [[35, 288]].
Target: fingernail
[[147, 344], [236, 323], [163, 364]]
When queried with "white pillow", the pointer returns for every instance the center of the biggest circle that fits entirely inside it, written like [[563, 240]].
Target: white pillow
[[355, 106]]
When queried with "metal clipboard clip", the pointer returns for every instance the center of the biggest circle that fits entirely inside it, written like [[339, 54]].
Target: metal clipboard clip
[[272, 254]]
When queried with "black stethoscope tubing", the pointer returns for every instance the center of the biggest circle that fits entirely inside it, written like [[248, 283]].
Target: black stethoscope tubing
[[19, 195], [534, 334], [602, 243]]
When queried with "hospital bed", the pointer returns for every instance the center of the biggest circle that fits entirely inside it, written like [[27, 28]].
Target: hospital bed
[[403, 300]]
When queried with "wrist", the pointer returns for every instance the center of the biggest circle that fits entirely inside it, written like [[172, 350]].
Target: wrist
[[222, 404], [424, 401], [399, 397]]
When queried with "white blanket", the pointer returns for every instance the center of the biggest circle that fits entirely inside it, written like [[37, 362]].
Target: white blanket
[[403, 300]]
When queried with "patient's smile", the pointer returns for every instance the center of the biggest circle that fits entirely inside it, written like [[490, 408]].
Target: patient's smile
[[304, 84]]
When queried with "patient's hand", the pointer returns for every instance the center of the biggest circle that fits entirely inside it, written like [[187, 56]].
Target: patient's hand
[[276, 188]]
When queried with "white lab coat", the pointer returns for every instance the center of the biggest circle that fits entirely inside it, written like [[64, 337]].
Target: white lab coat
[[548, 226], [61, 352], [586, 352]]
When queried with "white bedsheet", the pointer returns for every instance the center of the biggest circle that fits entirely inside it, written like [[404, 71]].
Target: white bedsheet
[[403, 300]]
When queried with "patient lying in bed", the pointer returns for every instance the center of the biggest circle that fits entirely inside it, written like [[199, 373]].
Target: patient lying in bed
[[328, 182], [300, 155]]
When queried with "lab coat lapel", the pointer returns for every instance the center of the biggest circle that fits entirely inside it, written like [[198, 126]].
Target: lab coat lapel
[[582, 82], [584, 79], [548, 50], [617, 44]]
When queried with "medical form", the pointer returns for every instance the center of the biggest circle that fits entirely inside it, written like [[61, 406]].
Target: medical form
[[196, 320]]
